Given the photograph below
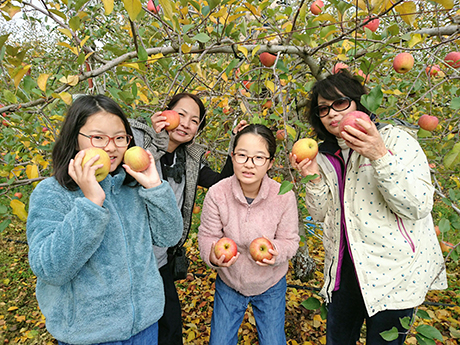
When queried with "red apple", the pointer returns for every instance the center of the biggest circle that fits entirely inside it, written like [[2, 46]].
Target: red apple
[[403, 62], [350, 120], [137, 158], [173, 118], [267, 59], [338, 67], [5, 123], [247, 84], [225, 246], [453, 59], [317, 7], [305, 148], [427, 122], [373, 24], [18, 195], [196, 209], [432, 70], [104, 159], [280, 134], [268, 104], [446, 247], [363, 75], [152, 8], [259, 249], [44, 129]]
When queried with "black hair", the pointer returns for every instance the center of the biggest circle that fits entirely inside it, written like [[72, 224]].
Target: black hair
[[66, 146], [179, 96], [264, 132], [331, 88]]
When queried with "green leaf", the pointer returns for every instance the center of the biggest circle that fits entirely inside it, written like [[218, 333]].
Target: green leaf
[[3, 39], [9, 96], [455, 103], [424, 134], [133, 7], [201, 37], [452, 158], [308, 178], [79, 4], [58, 13], [142, 53], [405, 322], [323, 312], [4, 224], [390, 335], [213, 4], [422, 313], [231, 66], [3, 209], [311, 303], [424, 340], [373, 99], [285, 187], [74, 23], [429, 332]]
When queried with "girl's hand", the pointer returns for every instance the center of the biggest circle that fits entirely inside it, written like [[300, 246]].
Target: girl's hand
[[239, 126], [148, 178], [305, 167], [266, 262], [369, 145], [219, 262], [85, 177], [158, 121]]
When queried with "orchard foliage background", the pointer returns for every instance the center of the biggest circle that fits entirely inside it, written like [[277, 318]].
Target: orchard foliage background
[[52, 50]]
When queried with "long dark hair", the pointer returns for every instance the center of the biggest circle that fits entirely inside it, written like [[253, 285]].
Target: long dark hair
[[261, 130], [179, 96], [332, 88], [66, 146]]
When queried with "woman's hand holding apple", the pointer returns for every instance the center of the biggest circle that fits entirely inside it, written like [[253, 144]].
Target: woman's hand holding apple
[[306, 167], [158, 121], [219, 262], [148, 178], [85, 177], [369, 144]]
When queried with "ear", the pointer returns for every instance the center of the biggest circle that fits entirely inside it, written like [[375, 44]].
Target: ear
[[271, 163]]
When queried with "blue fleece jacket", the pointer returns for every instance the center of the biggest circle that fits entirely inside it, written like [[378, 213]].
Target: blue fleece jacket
[[98, 279]]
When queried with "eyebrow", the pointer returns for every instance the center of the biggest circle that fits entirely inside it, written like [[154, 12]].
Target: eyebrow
[[185, 111], [257, 153]]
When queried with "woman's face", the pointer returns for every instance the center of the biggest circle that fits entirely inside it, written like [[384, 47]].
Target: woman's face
[[249, 174], [189, 113], [104, 123], [331, 121]]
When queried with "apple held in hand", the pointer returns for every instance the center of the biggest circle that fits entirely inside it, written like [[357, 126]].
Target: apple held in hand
[[350, 120], [225, 246], [305, 148], [317, 7], [104, 158], [137, 158], [259, 249], [453, 59], [428, 123], [173, 118], [267, 59], [403, 62]]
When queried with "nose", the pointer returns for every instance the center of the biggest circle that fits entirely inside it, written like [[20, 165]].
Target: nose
[[185, 122], [250, 162], [110, 146]]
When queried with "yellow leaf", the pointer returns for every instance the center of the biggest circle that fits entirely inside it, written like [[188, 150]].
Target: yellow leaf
[[190, 336], [20, 318], [66, 97], [32, 171], [270, 85], [108, 6], [16, 172], [73, 80], [324, 17], [447, 4], [156, 57], [167, 9], [255, 50], [18, 77], [12, 308], [19, 209], [224, 77], [73, 49], [131, 65], [133, 7], [342, 57], [291, 131], [41, 81], [234, 17], [415, 39], [66, 32], [82, 43], [185, 48], [244, 50], [406, 10], [243, 108], [287, 27]]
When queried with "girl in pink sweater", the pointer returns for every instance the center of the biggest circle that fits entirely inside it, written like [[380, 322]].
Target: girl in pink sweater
[[244, 207]]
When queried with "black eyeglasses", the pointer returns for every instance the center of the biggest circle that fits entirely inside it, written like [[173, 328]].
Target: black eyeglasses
[[340, 104], [241, 158], [101, 140]]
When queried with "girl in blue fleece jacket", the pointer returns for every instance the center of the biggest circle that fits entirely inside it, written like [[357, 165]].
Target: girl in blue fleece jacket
[[90, 243]]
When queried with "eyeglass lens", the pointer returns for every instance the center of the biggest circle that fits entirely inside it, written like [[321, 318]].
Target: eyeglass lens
[[103, 140], [340, 104], [256, 160]]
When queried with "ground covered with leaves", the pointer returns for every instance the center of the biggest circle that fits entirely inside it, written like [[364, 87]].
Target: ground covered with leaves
[[21, 321]]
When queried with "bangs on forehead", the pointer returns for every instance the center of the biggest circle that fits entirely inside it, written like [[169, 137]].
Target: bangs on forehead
[[329, 91]]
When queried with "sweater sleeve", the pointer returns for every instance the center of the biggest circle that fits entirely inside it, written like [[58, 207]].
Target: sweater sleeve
[[62, 232], [403, 176], [165, 219], [287, 237], [210, 229]]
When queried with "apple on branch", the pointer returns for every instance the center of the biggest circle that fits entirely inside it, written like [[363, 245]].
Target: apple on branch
[[432, 70], [225, 246], [18, 195], [137, 158], [104, 159], [280, 135], [453, 59], [317, 7], [173, 118], [403, 62], [338, 67], [152, 8], [350, 120], [305, 148], [267, 59], [259, 249], [428, 122], [373, 24]]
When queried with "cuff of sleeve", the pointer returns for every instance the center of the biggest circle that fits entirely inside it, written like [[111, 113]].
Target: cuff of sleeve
[[383, 161]]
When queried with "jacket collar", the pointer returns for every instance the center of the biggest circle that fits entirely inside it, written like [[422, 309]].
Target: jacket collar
[[114, 181]]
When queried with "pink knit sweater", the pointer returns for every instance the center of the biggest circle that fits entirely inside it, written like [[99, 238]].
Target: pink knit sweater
[[226, 213]]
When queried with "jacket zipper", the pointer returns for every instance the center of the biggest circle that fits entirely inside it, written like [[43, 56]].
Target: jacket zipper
[[404, 233]]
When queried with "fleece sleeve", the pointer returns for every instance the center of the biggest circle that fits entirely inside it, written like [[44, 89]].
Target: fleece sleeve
[[63, 232]]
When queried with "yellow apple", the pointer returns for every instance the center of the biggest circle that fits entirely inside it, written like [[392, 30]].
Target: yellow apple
[[305, 148], [137, 158], [104, 159]]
